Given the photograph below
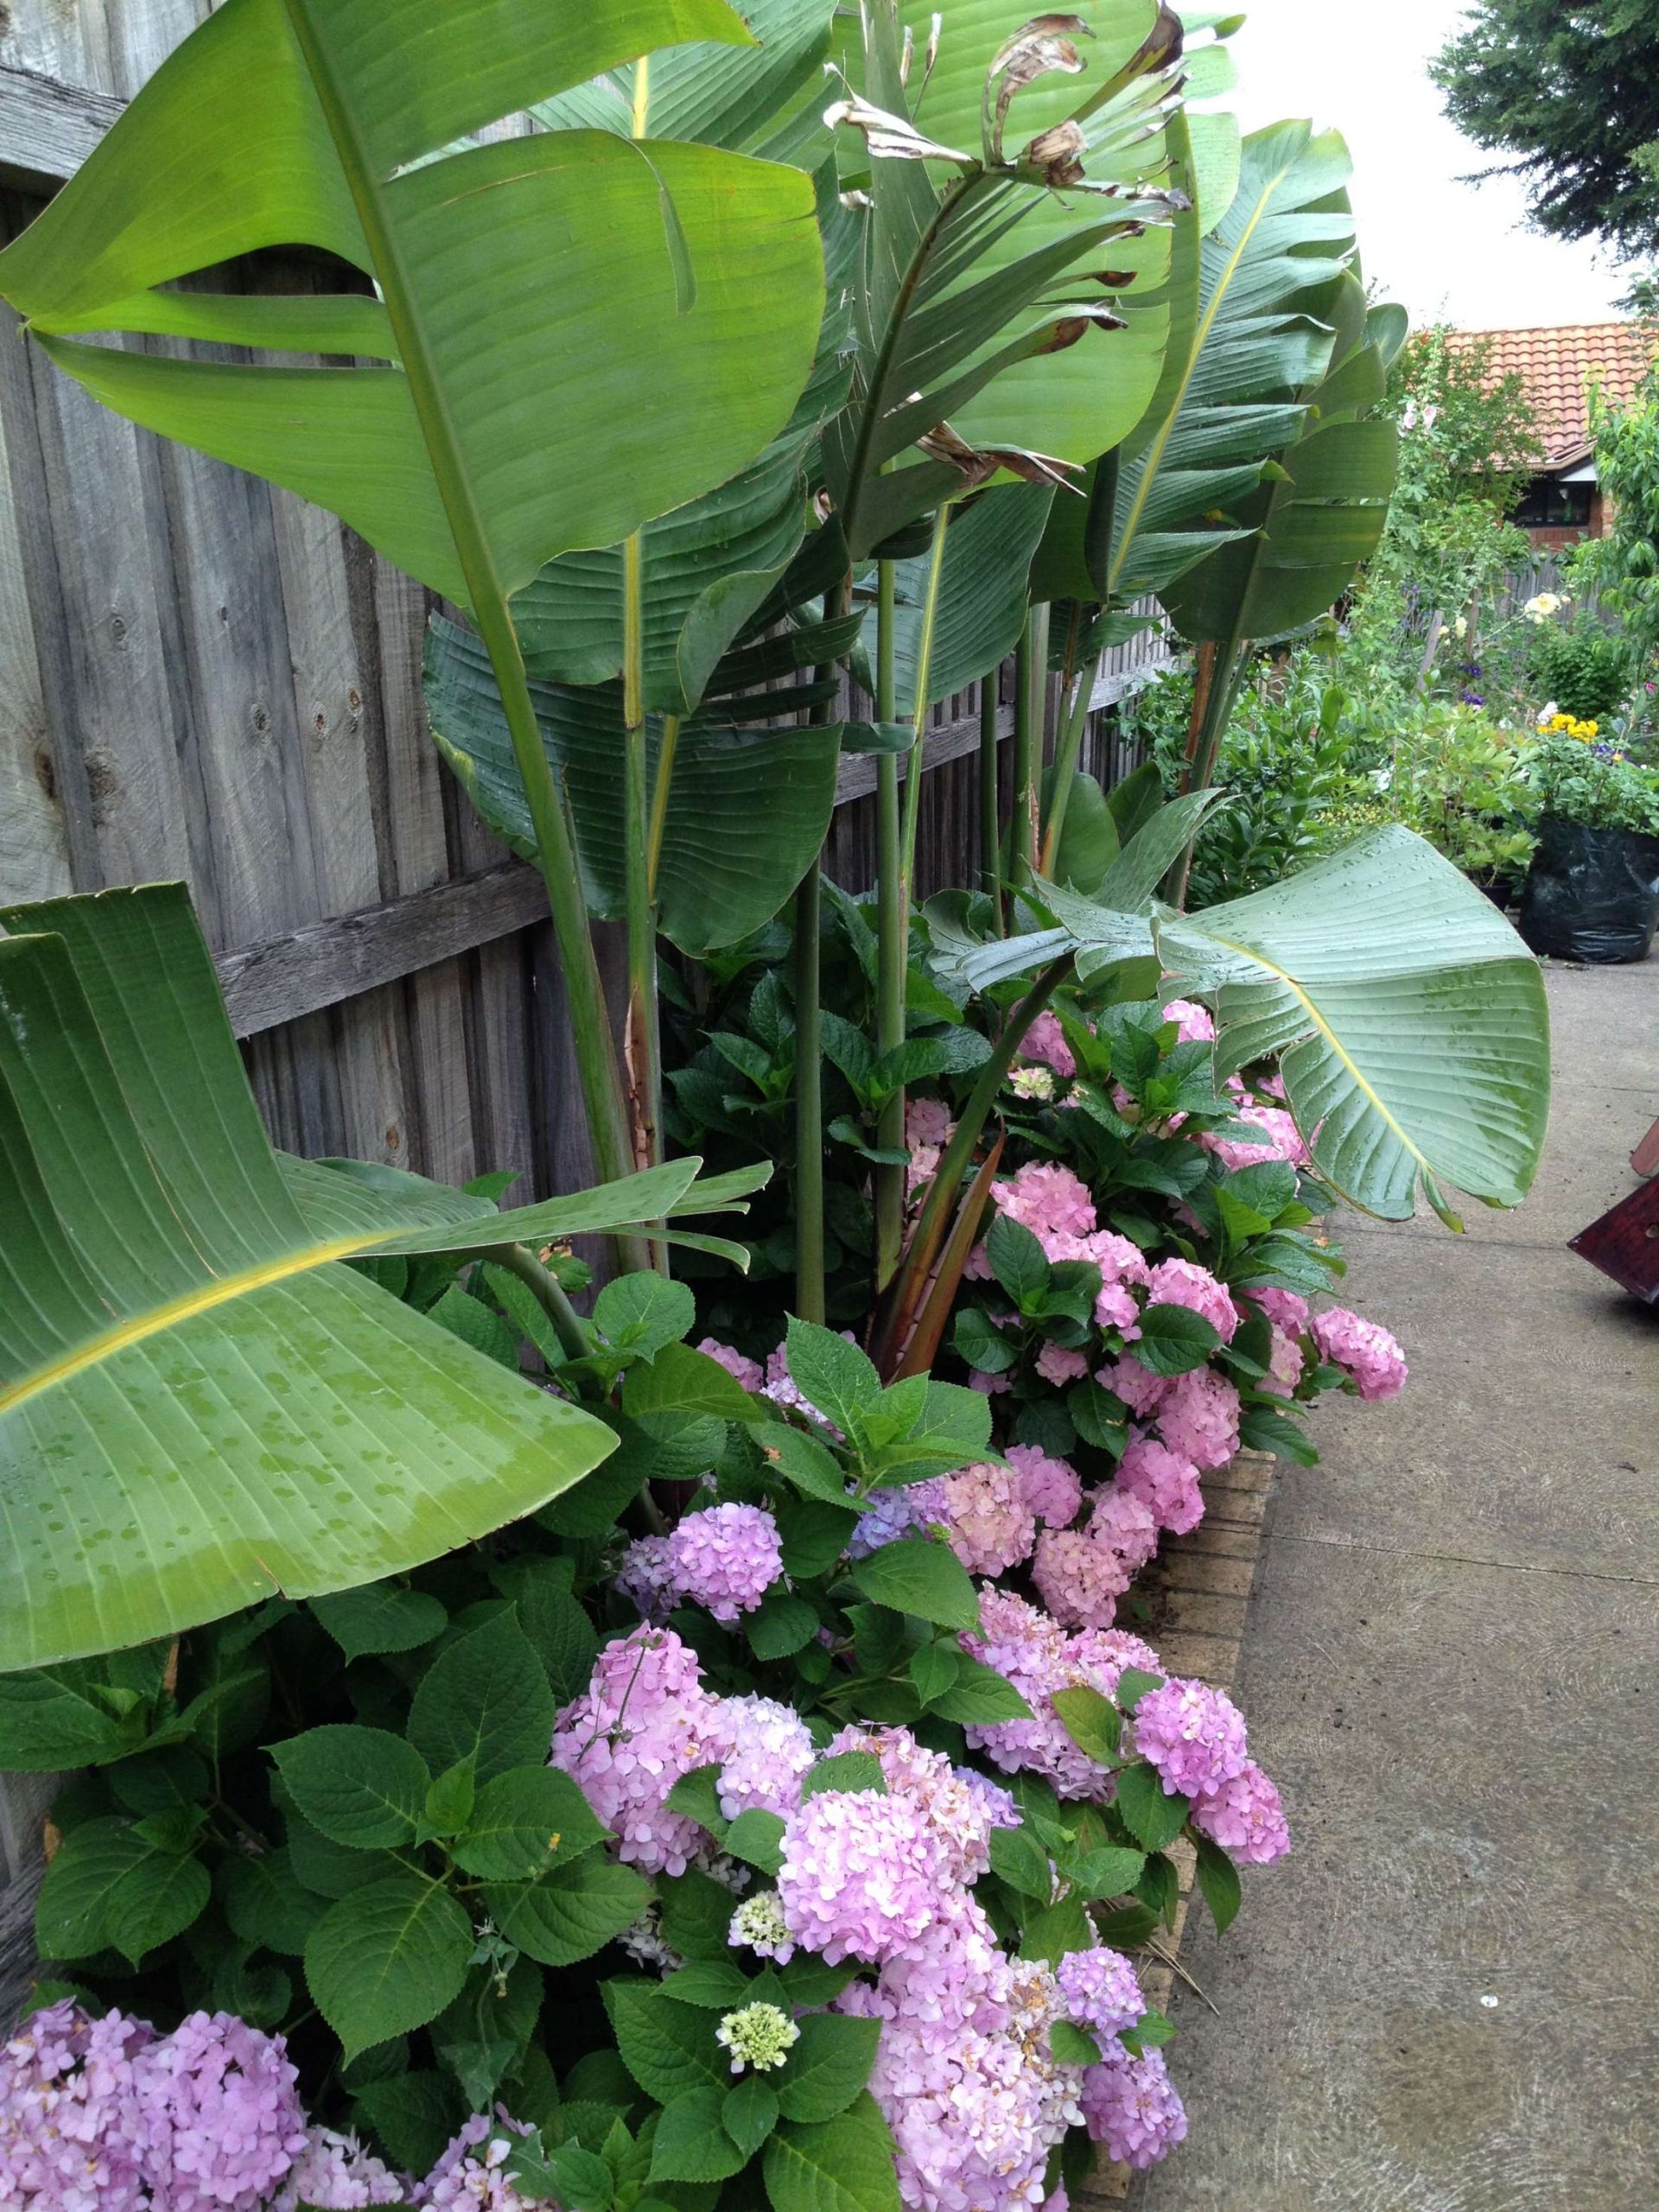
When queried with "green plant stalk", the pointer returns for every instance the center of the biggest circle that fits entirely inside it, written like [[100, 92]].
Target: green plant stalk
[[642, 1038], [1078, 690], [929, 1234], [1031, 674], [549, 1294], [891, 927], [1219, 702], [990, 823], [810, 1299], [601, 1075]]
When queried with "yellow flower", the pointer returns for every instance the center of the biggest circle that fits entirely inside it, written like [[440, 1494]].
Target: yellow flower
[[1594, 729]]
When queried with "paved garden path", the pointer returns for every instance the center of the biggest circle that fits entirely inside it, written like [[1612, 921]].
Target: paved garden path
[[1448, 1999]]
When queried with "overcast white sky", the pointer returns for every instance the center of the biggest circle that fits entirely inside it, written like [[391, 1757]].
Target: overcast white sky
[[1441, 246]]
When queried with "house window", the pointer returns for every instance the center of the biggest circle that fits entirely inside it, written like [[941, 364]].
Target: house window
[[1548, 504]]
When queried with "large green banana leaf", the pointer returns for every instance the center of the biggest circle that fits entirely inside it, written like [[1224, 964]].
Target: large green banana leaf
[[1247, 337], [1318, 518], [982, 596], [579, 331], [199, 1404], [748, 807], [767, 99], [1410, 1019], [978, 290]]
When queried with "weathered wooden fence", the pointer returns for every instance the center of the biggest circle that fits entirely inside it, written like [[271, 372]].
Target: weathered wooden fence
[[202, 677]]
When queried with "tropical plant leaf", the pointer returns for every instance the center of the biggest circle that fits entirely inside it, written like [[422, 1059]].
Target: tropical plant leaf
[[981, 300], [233, 1411], [727, 863], [982, 608], [489, 442], [1411, 1021], [767, 99], [1246, 289]]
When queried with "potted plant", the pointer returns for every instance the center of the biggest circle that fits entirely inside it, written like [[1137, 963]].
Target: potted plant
[[1592, 893]]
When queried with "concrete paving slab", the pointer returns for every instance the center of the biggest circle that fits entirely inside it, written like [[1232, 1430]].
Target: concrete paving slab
[[1448, 1999]]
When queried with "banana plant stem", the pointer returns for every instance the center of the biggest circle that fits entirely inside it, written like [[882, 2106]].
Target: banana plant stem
[[642, 1052], [1225, 676], [1078, 690], [596, 1055], [549, 1294], [810, 1285], [892, 923], [990, 812], [1031, 681]]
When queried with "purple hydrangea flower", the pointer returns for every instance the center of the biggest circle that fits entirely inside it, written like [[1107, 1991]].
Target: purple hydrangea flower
[[1192, 1734], [219, 2116], [725, 1559], [1132, 2108]]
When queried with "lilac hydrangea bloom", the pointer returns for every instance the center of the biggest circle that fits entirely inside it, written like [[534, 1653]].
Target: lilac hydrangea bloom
[[1044, 1042], [770, 1749], [1285, 1309], [1079, 1579], [985, 1514], [1196, 1025], [1099, 1991], [220, 2117], [889, 1514], [470, 2176], [69, 2113], [727, 1559], [862, 1875], [736, 1363], [1038, 1656], [643, 1721], [1192, 1734], [335, 2173], [646, 1577], [1142, 1391], [960, 1808], [1245, 1815], [1049, 1486], [1132, 2108]]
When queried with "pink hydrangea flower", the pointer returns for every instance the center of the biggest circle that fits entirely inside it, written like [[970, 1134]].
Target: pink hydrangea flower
[[1165, 1483], [1245, 1815], [1126, 1526], [1049, 1486], [1045, 1041], [1285, 1363], [1280, 1138], [862, 1875], [470, 2176], [220, 2117], [1142, 1391], [1364, 1350], [1183, 1282], [1099, 1991], [1282, 1307], [647, 1578], [983, 1511], [643, 1721], [725, 1559], [748, 1371], [963, 2074], [961, 1807], [1197, 1418], [1059, 1364], [1079, 1579], [69, 2119], [1132, 2108], [1043, 1198], [1037, 1656], [1196, 1024], [335, 2173], [770, 1748], [1192, 1734], [927, 1121]]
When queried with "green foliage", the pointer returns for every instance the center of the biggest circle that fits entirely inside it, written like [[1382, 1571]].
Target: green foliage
[[1521, 77], [1595, 788]]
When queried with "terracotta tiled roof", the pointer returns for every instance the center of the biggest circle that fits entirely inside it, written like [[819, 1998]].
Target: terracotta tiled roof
[[1559, 365]]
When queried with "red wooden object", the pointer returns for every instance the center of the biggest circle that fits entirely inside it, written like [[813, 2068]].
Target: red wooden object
[[1624, 1242], [1645, 1160]]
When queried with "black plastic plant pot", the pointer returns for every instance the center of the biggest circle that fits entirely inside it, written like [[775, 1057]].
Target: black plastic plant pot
[[1591, 894]]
